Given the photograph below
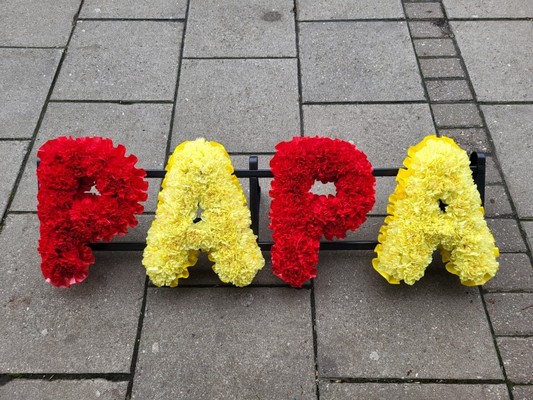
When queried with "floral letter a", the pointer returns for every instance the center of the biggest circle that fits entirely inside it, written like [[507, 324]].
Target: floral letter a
[[200, 175], [436, 204]]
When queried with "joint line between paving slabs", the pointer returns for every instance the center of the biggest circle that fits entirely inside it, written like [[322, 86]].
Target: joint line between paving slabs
[[298, 67], [132, 19], [495, 344], [61, 376], [137, 343], [421, 75], [368, 102], [176, 89], [111, 101], [39, 121], [413, 380], [315, 339], [327, 21]]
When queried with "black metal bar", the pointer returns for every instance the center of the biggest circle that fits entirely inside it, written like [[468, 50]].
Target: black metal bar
[[255, 195], [477, 164], [264, 246]]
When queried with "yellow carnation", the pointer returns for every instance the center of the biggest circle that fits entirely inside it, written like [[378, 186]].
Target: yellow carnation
[[200, 175], [438, 175]]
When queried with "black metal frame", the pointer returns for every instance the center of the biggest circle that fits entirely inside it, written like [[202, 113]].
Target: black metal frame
[[477, 164]]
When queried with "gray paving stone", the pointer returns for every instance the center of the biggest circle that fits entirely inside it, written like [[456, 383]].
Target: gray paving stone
[[32, 389], [523, 392], [25, 78], [499, 58], [517, 354], [493, 175], [89, 328], [412, 391], [507, 235], [448, 90], [488, 9], [10, 163], [121, 60], [36, 22], [256, 28], [372, 61], [142, 128], [344, 9], [456, 115], [246, 105], [423, 10], [515, 273], [134, 9], [435, 47], [441, 68], [368, 328], [383, 131], [430, 29], [241, 343], [528, 227], [469, 139], [497, 202], [511, 313], [510, 128]]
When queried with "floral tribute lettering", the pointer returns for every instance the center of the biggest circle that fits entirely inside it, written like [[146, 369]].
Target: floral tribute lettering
[[299, 218], [200, 176], [435, 205], [89, 190]]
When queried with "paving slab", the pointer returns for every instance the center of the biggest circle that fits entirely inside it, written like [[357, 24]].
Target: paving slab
[[235, 343], [145, 9], [435, 47], [457, 115], [344, 9], [358, 61], [517, 354], [511, 313], [499, 58], [515, 273], [507, 235], [449, 90], [430, 29], [510, 128], [493, 174], [121, 60], [431, 10], [441, 68], [367, 328], [38, 23], [142, 128], [528, 227], [25, 79], [246, 105], [412, 391], [496, 202], [32, 389], [89, 328], [255, 28], [523, 392], [488, 9], [10, 164], [469, 139], [383, 131]]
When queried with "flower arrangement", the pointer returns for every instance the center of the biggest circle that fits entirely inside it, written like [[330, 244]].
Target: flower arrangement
[[200, 175], [435, 205], [71, 214], [299, 218]]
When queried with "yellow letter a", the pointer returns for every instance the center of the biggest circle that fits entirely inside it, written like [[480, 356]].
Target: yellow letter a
[[435, 205], [200, 174]]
